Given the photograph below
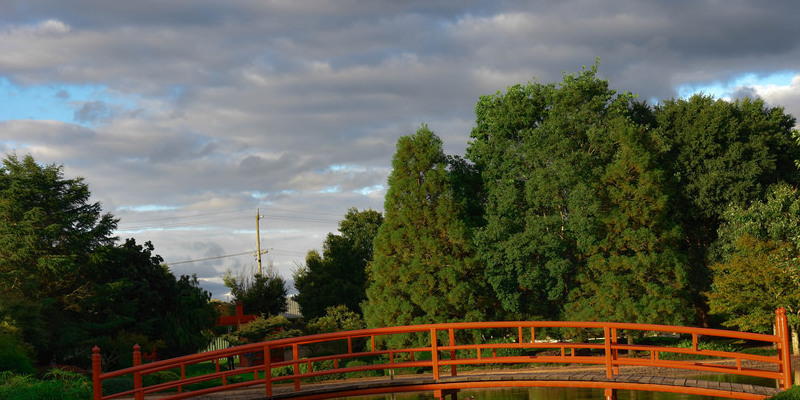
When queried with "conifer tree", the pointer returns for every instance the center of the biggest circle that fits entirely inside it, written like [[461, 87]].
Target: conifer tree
[[634, 270], [423, 269]]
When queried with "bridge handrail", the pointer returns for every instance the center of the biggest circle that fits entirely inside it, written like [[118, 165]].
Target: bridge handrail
[[609, 346]]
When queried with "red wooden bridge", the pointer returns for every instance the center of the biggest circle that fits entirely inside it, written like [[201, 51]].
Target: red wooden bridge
[[287, 368]]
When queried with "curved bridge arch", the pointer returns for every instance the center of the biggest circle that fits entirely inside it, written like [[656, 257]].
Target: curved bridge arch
[[453, 345]]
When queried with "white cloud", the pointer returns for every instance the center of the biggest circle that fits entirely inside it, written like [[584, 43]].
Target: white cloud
[[235, 105]]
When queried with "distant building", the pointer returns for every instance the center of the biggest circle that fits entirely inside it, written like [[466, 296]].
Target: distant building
[[292, 310]]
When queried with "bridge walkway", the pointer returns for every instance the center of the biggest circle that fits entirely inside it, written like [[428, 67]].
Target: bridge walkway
[[504, 379]]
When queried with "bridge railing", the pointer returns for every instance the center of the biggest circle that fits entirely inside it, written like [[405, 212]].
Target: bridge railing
[[445, 348]]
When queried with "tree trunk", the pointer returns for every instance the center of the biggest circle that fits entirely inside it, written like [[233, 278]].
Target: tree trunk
[[631, 342], [774, 332], [795, 340]]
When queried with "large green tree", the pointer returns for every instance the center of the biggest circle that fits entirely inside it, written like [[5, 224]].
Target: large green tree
[[720, 153], [338, 276], [48, 230], [635, 271], [759, 262], [541, 149], [424, 269], [133, 297], [258, 293], [68, 285]]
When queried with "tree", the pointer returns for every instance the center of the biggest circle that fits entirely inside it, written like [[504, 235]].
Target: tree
[[424, 269], [635, 271], [720, 153], [259, 294], [540, 150], [139, 300], [68, 285], [759, 267], [336, 319], [48, 229], [338, 276]]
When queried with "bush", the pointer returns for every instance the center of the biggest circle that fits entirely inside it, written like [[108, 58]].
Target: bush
[[321, 366], [688, 344], [14, 356], [56, 384], [160, 377], [117, 385], [360, 374], [793, 393], [503, 352]]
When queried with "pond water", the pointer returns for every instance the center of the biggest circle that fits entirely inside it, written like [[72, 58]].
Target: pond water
[[544, 393]]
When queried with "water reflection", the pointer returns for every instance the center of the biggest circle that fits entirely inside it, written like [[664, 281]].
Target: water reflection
[[557, 393], [542, 393]]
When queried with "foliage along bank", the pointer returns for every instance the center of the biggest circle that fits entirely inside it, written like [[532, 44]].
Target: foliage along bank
[[68, 284]]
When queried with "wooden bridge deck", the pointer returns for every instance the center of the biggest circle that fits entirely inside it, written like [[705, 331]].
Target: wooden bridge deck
[[501, 380]]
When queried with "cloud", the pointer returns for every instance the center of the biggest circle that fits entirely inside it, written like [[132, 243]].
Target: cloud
[[169, 109], [92, 111]]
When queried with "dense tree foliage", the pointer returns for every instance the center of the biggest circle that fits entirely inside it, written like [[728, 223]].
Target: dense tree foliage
[[634, 272], [338, 276], [336, 319], [576, 208], [424, 269], [720, 153], [258, 293], [68, 285], [759, 267]]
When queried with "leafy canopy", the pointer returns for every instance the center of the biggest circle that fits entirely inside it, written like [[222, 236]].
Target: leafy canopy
[[338, 276], [423, 269], [68, 285]]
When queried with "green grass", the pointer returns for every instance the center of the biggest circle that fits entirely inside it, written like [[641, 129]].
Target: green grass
[[793, 393], [56, 384]]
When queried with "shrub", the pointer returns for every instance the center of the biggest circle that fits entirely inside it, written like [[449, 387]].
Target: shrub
[[117, 385], [688, 344], [793, 393], [13, 355], [160, 377], [360, 374], [56, 384]]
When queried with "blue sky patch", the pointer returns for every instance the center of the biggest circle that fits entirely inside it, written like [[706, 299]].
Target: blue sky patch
[[721, 90], [82, 104]]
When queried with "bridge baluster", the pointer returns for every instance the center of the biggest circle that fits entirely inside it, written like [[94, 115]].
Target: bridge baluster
[[451, 336], [295, 358], [782, 331], [268, 370], [137, 376], [97, 366], [434, 354], [607, 342]]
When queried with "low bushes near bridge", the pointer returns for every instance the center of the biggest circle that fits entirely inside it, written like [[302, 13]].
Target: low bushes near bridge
[[55, 384], [793, 393]]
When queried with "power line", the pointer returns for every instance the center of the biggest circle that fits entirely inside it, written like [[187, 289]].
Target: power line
[[210, 258], [142, 225]]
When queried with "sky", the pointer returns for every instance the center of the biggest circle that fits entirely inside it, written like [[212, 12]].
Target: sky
[[187, 119]]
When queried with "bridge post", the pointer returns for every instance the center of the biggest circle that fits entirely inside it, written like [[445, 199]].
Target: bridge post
[[782, 332], [434, 354], [97, 366], [296, 358], [452, 338], [615, 352], [268, 370], [137, 376], [609, 358]]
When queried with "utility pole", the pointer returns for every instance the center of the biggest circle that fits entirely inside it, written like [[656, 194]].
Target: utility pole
[[258, 240]]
